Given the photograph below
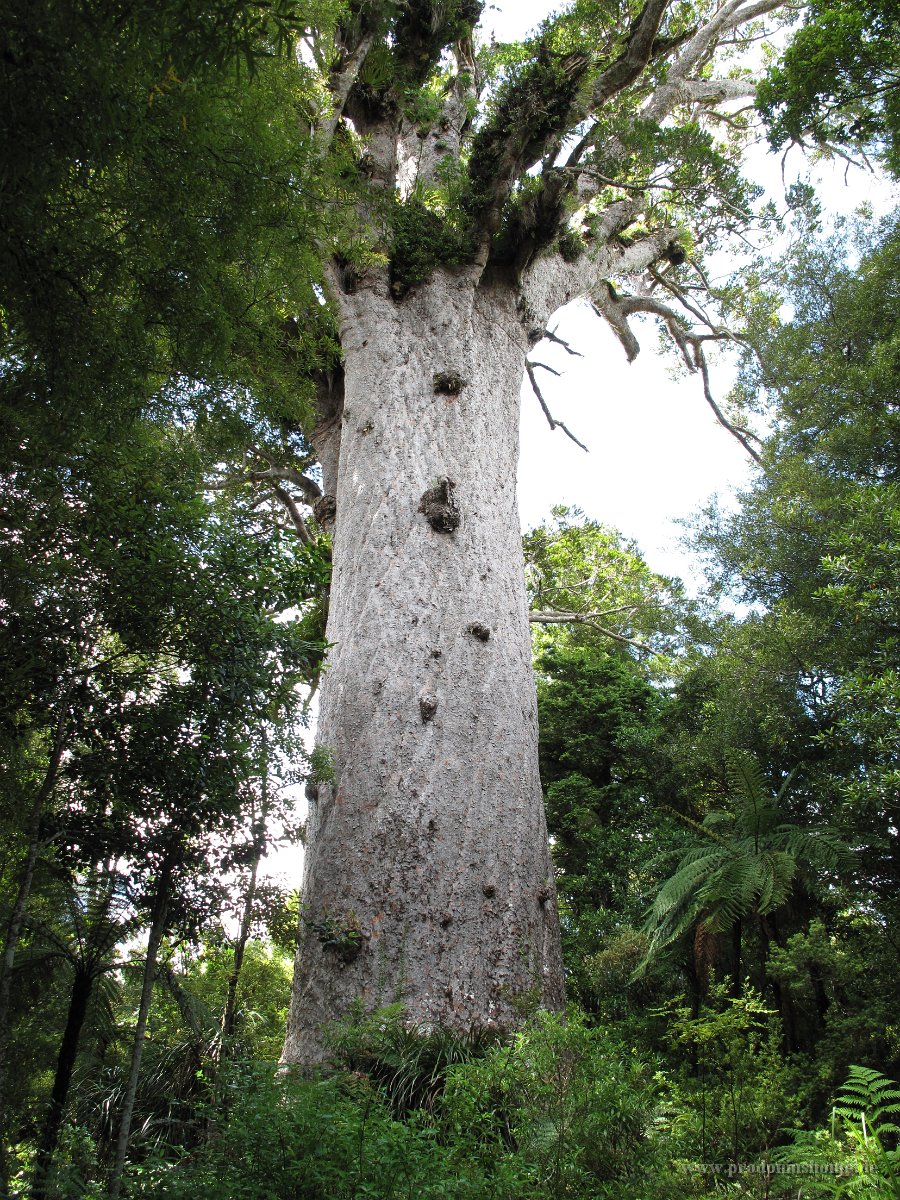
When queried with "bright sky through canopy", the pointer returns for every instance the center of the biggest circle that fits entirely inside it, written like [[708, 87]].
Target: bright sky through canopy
[[656, 451]]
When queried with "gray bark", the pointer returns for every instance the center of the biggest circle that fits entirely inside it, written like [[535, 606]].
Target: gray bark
[[428, 878]]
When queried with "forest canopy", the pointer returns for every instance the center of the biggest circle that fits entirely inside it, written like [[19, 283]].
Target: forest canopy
[[202, 204]]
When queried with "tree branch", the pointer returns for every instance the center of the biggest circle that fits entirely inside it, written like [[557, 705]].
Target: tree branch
[[568, 618], [545, 367], [550, 282], [294, 512], [616, 309], [309, 487], [554, 424], [729, 16], [550, 336], [638, 52], [353, 46], [742, 435]]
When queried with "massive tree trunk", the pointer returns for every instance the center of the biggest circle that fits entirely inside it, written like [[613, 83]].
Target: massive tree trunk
[[428, 879]]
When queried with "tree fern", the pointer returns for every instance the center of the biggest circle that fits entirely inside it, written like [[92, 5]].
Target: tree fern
[[856, 1157], [744, 861]]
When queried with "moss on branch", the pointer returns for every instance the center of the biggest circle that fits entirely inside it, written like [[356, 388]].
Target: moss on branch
[[533, 110], [424, 28]]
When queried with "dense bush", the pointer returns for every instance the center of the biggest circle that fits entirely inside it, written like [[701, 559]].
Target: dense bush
[[561, 1110]]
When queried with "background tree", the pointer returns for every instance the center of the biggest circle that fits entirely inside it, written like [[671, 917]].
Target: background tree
[[804, 681], [98, 922], [604, 680], [140, 297], [837, 85], [745, 862]]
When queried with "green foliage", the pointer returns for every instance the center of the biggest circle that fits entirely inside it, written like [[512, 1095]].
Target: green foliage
[[339, 933], [744, 861], [567, 1108], [604, 767], [838, 81], [733, 1093], [536, 98], [321, 765], [561, 1111], [286, 1138], [693, 178], [603, 773], [423, 238], [815, 540], [156, 216], [871, 1100], [409, 1065], [578, 566], [262, 996], [422, 30], [856, 1156]]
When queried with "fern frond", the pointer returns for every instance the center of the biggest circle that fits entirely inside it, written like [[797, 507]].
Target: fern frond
[[745, 778], [776, 872], [729, 892]]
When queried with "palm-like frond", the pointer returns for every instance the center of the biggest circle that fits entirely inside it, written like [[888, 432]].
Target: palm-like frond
[[745, 860], [729, 893], [93, 919]]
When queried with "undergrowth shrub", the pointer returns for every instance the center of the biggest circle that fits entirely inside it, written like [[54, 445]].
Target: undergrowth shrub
[[558, 1111], [735, 1094], [409, 1065], [856, 1156], [572, 1108], [290, 1138]]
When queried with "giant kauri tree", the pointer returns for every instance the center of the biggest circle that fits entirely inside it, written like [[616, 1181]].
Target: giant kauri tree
[[486, 186]]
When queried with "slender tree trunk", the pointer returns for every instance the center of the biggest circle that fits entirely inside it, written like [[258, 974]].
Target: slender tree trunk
[[736, 978], [14, 928], [428, 878], [823, 1001], [240, 947], [82, 985], [157, 929], [183, 1002], [783, 998]]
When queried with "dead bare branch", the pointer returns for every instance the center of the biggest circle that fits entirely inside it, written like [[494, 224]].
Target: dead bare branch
[[616, 310], [554, 424], [549, 336], [742, 435]]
